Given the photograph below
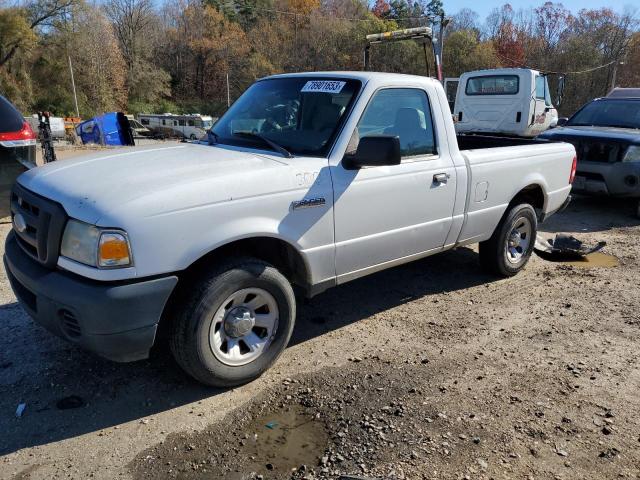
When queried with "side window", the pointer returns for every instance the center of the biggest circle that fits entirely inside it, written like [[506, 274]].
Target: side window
[[547, 93], [403, 112], [190, 123], [540, 93], [181, 123]]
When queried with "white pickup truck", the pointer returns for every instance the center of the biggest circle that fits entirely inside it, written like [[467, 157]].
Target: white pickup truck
[[309, 179]]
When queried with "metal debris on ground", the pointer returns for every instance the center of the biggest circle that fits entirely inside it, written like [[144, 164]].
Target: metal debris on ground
[[564, 247], [20, 409]]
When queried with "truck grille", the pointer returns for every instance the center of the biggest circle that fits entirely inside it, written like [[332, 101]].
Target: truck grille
[[601, 152], [41, 232]]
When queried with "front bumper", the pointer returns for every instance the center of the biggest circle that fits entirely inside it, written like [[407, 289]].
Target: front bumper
[[617, 179], [118, 321]]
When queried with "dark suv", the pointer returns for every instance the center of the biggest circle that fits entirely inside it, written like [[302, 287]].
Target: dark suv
[[606, 134], [17, 150]]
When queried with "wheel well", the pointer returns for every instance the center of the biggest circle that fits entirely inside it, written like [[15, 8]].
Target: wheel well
[[278, 253], [531, 194]]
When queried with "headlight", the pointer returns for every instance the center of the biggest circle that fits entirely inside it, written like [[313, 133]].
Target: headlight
[[633, 154], [102, 248]]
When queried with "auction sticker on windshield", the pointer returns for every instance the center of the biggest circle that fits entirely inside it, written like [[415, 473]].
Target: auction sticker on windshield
[[323, 86]]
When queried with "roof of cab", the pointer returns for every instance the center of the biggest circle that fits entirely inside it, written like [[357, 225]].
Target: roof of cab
[[499, 71], [362, 76], [620, 92]]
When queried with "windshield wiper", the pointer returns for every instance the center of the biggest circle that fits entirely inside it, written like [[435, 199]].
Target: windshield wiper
[[278, 148]]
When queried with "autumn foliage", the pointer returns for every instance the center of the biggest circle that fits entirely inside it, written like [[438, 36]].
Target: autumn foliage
[[145, 55]]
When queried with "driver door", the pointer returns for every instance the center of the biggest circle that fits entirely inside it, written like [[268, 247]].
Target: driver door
[[387, 214]]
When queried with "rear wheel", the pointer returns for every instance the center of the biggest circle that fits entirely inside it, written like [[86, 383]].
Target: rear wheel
[[510, 247], [235, 324]]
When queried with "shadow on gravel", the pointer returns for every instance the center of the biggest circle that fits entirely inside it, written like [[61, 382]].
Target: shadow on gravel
[[69, 392], [40, 370], [594, 214], [354, 301]]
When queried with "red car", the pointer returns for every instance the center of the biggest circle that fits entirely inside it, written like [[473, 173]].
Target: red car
[[17, 150]]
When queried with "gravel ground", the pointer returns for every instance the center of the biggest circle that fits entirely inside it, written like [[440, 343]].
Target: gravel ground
[[429, 370]]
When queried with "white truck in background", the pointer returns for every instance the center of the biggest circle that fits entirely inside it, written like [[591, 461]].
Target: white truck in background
[[310, 179], [503, 101]]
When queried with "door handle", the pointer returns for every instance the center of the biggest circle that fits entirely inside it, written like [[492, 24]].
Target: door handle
[[440, 178]]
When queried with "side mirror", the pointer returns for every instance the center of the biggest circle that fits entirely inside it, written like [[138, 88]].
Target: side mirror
[[560, 90], [562, 121], [374, 151]]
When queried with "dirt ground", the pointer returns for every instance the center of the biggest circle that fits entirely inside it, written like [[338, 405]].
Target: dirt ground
[[429, 370]]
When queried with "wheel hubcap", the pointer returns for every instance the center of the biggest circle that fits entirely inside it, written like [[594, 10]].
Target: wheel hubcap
[[239, 322], [244, 326], [518, 240]]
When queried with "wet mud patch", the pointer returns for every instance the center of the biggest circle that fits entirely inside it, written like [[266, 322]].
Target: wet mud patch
[[592, 260], [272, 441], [283, 441]]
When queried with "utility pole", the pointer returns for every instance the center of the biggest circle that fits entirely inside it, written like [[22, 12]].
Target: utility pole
[[228, 92], [444, 21], [73, 84], [615, 74]]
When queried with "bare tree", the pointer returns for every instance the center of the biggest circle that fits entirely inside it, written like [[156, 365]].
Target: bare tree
[[134, 23]]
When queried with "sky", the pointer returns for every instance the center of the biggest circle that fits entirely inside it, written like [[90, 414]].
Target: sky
[[483, 8]]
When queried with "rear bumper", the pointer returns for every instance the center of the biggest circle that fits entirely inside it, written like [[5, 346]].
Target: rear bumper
[[616, 179], [118, 321]]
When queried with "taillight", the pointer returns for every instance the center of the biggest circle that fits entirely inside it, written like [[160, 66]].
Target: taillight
[[574, 166], [23, 137]]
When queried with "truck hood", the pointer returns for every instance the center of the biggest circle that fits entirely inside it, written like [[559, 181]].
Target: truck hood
[[622, 135], [151, 179]]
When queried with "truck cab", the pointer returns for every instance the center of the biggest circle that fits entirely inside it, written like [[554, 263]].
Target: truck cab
[[505, 101]]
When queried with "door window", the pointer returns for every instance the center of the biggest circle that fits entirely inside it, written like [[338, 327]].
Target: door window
[[540, 90], [402, 112]]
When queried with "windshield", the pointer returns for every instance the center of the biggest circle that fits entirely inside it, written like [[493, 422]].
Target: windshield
[[206, 124], [493, 85], [300, 114], [609, 113]]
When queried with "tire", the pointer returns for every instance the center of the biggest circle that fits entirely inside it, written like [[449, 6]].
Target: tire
[[193, 136], [213, 338], [506, 253]]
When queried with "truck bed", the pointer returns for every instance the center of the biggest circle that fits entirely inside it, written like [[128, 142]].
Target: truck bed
[[495, 162], [468, 141]]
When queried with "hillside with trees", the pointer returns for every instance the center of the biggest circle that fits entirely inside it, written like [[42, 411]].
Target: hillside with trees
[[144, 56]]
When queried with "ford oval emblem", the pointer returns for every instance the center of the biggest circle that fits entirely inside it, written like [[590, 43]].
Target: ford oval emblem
[[19, 223]]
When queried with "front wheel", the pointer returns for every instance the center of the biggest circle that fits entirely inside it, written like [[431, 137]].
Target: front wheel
[[510, 247], [235, 323]]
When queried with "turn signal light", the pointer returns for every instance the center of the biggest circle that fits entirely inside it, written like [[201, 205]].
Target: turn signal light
[[113, 250]]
